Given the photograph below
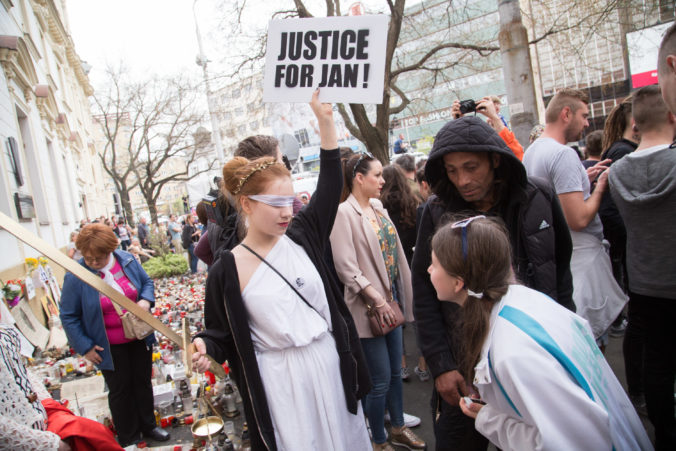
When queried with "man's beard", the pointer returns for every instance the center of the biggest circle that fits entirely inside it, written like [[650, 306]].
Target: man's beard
[[571, 135]]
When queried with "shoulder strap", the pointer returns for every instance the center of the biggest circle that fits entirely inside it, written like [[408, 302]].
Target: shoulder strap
[[117, 308], [280, 275]]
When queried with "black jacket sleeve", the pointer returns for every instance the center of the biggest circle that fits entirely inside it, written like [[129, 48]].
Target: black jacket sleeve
[[614, 229], [320, 213], [430, 324], [217, 335], [564, 251]]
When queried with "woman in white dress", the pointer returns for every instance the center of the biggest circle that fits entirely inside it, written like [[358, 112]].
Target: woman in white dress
[[275, 313]]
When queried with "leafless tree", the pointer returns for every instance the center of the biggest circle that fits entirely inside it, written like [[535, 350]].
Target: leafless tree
[[170, 130], [147, 126], [120, 125]]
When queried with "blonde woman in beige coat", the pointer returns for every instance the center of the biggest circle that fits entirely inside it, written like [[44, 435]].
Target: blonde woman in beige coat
[[370, 262]]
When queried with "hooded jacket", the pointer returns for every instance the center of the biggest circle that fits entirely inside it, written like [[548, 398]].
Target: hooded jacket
[[529, 207], [643, 186]]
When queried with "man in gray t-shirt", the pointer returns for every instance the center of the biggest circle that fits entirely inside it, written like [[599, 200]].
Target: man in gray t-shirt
[[597, 296], [548, 159]]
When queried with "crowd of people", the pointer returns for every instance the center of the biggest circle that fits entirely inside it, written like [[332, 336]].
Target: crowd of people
[[511, 266], [179, 236]]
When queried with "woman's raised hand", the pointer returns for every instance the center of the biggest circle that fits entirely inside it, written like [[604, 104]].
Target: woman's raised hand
[[327, 128], [200, 362]]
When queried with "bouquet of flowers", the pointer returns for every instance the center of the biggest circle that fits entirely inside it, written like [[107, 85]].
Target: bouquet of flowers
[[31, 263], [12, 291]]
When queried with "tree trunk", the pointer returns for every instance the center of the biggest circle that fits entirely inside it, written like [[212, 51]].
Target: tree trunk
[[373, 136], [125, 200], [517, 70], [152, 208]]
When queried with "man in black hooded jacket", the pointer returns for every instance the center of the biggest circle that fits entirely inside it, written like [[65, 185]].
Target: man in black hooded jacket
[[472, 171]]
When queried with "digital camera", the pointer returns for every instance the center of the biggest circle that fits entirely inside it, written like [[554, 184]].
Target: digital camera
[[467, 106]]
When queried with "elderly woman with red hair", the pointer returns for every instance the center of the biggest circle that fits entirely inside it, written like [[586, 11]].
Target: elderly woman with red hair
[[94, 330]]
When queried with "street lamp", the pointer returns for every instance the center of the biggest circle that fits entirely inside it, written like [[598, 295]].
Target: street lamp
[[202, 62]]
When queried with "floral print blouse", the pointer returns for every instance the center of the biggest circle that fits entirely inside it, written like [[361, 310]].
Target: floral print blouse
[[387, 235]]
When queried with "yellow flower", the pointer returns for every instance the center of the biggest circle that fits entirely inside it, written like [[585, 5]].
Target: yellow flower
[[31, 262], [43, 261]]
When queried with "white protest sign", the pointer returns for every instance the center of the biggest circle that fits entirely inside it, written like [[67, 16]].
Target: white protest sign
[[344, 56]]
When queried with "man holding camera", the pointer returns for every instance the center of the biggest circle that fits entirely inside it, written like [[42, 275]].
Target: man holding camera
[[490, 107]]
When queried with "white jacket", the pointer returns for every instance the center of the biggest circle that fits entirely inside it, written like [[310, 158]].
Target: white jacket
[[546, 384]]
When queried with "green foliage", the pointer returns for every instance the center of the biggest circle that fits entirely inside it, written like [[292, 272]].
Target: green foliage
[[159, 241], [166, 266]]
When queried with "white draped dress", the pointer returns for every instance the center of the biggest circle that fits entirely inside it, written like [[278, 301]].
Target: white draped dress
[[297, 356]]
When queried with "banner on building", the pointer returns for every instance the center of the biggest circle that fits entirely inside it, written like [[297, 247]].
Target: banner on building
[[443, 114], [344, 56], [643, 46]]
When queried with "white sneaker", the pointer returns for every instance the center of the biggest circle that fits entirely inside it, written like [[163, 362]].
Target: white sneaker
[[410, 421], [423, 375]]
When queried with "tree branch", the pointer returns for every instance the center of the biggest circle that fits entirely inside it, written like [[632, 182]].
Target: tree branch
[[330, 10], [302, 10], [405, 101], [354, 130], [483, 50]]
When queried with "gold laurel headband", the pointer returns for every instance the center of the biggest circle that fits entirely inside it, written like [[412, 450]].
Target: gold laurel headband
[[258, 167]]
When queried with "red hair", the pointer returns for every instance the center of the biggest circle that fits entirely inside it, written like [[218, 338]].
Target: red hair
[[244, 177]]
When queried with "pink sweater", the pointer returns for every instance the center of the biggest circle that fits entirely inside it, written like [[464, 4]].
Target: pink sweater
[[111, 319]]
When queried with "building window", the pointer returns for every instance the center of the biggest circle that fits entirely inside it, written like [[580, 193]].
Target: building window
[[667, 11], [58, 186], [13, 159], [302, 137], [239, 111], [33, 169], [253, 126], [251, 107], [241, 130]]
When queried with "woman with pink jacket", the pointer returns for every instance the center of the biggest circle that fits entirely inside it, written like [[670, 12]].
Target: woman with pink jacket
[[370, 262]]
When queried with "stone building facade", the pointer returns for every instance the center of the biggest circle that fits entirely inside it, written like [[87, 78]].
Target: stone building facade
[[51, 175]]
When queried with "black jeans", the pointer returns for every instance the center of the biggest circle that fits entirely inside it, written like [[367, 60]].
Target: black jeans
[[130, 395], [633, 347], [659, 363], [453, 430]]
